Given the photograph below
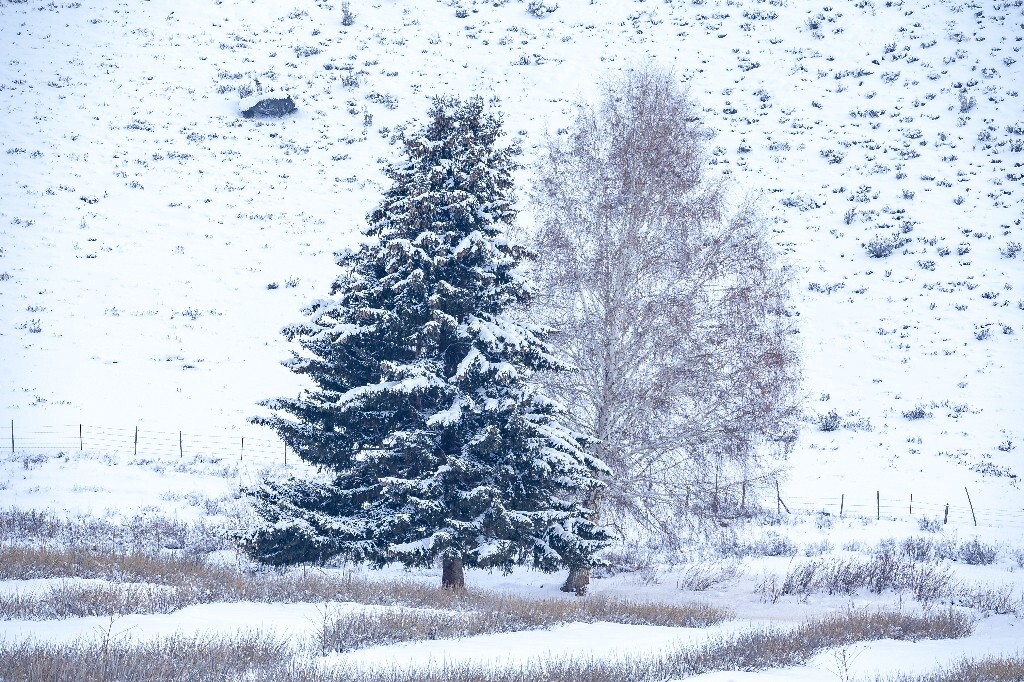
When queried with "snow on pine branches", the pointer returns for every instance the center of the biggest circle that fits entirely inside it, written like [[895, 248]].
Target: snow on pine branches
[[436, 440]]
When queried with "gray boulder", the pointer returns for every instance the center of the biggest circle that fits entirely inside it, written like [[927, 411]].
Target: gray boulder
[[275, 104]]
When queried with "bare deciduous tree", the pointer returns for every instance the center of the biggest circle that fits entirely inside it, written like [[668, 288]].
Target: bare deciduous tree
[[671, 308]]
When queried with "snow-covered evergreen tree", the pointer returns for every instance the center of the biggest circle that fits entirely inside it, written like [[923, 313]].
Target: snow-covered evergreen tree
[[436, 439]]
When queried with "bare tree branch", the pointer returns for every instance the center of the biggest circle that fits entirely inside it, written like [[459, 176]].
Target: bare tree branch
[[672, 310]]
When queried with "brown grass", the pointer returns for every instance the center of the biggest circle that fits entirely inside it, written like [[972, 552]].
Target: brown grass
[[994, 669], [166, 660], [258, 659], [192, 582]]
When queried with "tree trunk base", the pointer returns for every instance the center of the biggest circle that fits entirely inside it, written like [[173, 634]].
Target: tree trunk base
[[452, 575], [577, 581]]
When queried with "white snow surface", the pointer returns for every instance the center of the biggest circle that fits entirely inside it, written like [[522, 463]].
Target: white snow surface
[[153, 243]]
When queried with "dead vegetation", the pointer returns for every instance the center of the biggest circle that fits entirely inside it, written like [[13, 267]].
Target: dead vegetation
[[173, 583], [993, 669], [929, 582], [257, 658]]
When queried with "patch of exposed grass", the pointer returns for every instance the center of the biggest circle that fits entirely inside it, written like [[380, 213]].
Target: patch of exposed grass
[[164, 660], [261, 659], [768, 648], [192, 582], [22, 563], [994, 669]]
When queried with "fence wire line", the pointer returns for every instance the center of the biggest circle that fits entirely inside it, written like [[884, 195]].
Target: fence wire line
[[142, 442], [901, 508]]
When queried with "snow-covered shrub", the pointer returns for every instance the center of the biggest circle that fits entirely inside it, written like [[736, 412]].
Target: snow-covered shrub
[[917, 412], [832, 155], [881, 246], [541, 8], [385, 100], [803, 202], [977, 553], [829, 422], [918, 549], [347, 18], [929, 525], [769, 544], [990, 600], [1011, 250], [760, 14], [701, 576]]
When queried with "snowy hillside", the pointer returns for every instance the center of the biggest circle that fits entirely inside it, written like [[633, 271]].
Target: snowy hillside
[[153, 241]]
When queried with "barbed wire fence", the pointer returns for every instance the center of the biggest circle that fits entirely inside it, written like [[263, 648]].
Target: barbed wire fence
[[141, 441], [241, 449]]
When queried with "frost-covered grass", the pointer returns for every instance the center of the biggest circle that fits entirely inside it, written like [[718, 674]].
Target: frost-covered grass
[[926, 579], [141, 535]]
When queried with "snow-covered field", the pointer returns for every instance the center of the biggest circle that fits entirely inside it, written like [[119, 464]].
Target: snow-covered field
[[153, 242]]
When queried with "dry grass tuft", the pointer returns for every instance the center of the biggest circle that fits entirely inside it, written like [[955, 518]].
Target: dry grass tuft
[[166, 660], [772, 648], [995, 669]]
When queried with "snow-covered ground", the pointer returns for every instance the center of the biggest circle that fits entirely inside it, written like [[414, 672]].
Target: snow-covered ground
[[153, 242]]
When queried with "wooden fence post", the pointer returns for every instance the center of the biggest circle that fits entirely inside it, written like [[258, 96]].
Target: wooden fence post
[[181, 449], [878, 505], [972, 506], [81, 442], [911, 504], [12, 436], [842, 503], [778, 498], [242, 454], [945, 517], [286, 454], [136, 450]]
